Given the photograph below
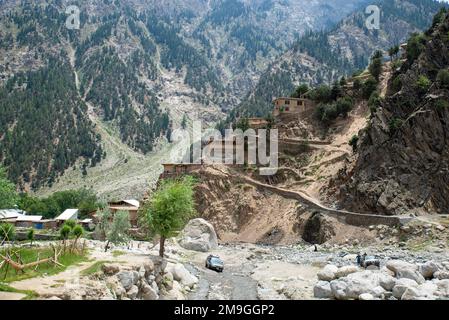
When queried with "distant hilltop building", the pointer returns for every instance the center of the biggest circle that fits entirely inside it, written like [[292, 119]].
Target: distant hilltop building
[[292, 106]]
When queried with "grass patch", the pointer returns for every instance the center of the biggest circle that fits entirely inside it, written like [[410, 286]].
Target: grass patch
[[46, 269], [96, 267], [118, 253], [29, 294]]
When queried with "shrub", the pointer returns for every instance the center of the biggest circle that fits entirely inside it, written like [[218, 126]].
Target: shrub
[[369, 87], [321, 94], [302, 89], [344, 105], [395, 124], [374, 102], [443, 77], [30, 235], [396, 84], [375, 68], [423, 84], [357, 84], [442, 104], [415, 46], [64, 232], [7, 232], [353, 142], [70, 223]]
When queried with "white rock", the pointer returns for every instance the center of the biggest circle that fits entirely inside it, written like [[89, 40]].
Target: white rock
[[350, 257], [132, 293], [126, 279], [322, 290], [176, 293], [386, 281], [346, 270], [366, 296], [181, 274], [148, 293], [442, 288], [352, 286], [402, 285], [407, 270], [328, 273], [441, 275], [199, 235], [423, 292], [378, 292]]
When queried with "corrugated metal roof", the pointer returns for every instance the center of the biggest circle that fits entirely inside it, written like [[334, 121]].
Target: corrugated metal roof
[[29, 219], [133, 202], [68, 214], [11, 213]]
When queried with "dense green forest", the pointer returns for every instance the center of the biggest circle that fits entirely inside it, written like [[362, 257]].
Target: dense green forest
[[44, 125]]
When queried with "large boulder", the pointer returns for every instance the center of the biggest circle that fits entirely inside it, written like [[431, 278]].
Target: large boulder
[[428, 269], [199, 235], [386, 281], [442, 288], [441, 275], [132, 293], [355, 284], [181, 274], [322, 290], [425, 291], [402, 285], [406, 270], [328, 273], [126, 279], [346, 270], [110, 269], [148, 293]]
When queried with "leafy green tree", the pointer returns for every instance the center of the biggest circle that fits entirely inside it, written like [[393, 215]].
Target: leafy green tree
[[242, 124], [369, 87], [117, 231], [393, 52], [415, 46], [374, 102], [344, 105], [8, 194], [300, 91], [64, 233], [170, 208], [71, 224], [30, 236], [104, 218], [77, 232], [375, 68]]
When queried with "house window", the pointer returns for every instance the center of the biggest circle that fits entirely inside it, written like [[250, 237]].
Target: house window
[[287, 109], [287, 102]]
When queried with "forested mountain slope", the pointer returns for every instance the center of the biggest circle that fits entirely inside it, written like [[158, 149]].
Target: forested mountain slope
[[324, 56], [138, 66]]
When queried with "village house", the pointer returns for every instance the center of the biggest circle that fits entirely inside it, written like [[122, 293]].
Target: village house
[[131, 206], [69, 214], [28, 221], [11, 215], [291, 106], [173, 170]]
